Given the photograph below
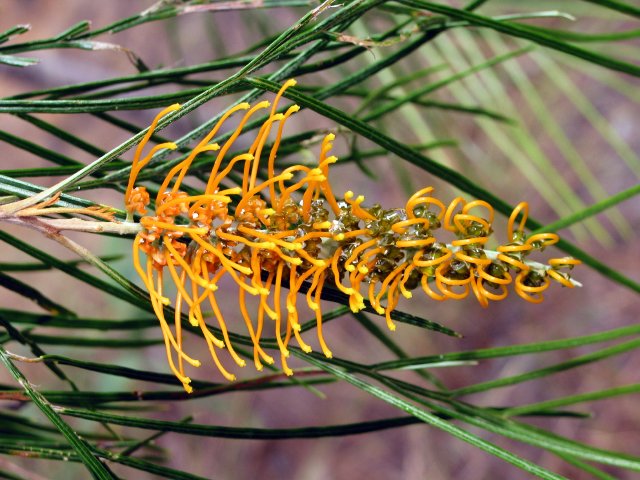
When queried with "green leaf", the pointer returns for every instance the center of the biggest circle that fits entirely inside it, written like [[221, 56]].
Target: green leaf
[[97, 469], [431, 419], [18, 61], [517, 30], [15, 30]]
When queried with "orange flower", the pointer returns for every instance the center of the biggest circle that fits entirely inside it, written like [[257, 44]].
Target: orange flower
[[292, 231]]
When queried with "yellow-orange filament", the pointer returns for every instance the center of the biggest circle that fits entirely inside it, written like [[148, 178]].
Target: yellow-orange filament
[[288, 230]]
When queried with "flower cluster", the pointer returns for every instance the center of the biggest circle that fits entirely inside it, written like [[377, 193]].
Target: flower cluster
[[291, 231]]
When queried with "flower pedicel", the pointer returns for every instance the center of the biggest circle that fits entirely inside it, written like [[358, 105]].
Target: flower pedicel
[[292, 230]]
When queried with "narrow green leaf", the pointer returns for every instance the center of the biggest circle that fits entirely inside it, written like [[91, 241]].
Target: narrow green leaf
[[542, 372], [511, 350], [73, 31], [242, 433], [32, 294], [516, 30], [20, 336], [572, 400], [591, 210], [586, 37], [622, 7], [15, 30], [81, 275], [125, 372], [431, 87], [96, 467], [38, 150], [597, 473], [34, 267], [62, 134], [430, 418], [94, 342], [73, 322], [105, 399], [18, 61]]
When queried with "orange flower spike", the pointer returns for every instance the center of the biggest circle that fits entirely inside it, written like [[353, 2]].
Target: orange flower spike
[[264, 306], [363, 267], [564, 262], [392, 302], [283, 358], [288, 84], [313, 261], [245, 157], [196, 279], [400, 227], [153, 222], [231, 266], [293, 311], [203, 146], [146, 279], [463, 221], [490, 295], [297, 238], [543, 239], [220, 233], [424, 242], [339, 237], [262, 136], [256, 279], [315, 271]]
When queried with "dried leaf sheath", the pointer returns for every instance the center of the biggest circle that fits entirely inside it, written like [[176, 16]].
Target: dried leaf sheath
[[292, 229]]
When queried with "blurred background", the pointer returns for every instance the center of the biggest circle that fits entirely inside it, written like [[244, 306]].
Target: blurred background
[[571, 139]]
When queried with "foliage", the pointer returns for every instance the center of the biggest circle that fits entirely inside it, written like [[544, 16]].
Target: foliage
[[388, 76]]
